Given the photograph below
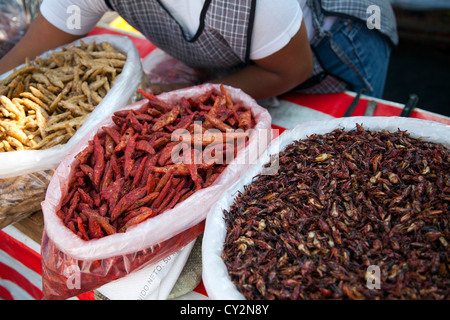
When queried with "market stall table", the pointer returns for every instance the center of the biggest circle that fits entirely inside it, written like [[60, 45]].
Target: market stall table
[[20, 263]]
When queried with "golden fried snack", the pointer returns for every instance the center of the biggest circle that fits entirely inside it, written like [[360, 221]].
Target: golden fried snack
[[44, 102]]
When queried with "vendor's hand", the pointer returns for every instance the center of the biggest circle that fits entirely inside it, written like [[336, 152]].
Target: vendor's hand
[[160, 88]]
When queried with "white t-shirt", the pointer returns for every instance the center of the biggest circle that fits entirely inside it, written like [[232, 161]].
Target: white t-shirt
[[276, 22]]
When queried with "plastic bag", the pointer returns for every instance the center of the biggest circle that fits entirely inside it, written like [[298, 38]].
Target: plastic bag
[[22, 195], [161, 68], [100, 261], [31, 169], [170, 278], [15, 17], [215, 275]]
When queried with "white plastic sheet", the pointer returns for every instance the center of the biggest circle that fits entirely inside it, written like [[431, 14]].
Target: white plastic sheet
[[154, 282]]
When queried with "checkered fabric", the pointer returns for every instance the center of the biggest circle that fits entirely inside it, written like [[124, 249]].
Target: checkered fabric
[[223, 37], [222, 42]]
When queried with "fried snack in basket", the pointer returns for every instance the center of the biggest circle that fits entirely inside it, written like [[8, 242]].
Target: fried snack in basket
[[44, 102]]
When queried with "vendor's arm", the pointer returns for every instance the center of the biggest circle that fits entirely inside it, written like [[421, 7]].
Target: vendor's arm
[[267, 77], [277, 73], [40, 37]]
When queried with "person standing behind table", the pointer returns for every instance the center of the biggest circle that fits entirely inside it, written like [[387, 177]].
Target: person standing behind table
[[264, 47]]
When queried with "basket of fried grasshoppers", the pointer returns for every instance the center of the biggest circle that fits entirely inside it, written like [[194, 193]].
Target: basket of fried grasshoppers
[[351, 208]]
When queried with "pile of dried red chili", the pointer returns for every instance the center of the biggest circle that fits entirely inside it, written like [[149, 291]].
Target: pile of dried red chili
[[349, 215], [127, 175]]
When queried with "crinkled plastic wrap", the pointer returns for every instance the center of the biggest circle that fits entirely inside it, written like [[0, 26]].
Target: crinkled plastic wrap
[[215, 275], [22, 195], [31, 170], [72, 266], [15, 17]]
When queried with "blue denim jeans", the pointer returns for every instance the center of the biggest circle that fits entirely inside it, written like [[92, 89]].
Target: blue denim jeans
[[366, 48]]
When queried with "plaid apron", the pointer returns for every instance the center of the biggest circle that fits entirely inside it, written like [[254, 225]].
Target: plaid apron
[[222, 42]]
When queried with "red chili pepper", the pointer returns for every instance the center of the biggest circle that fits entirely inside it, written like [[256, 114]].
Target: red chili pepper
[[84, 155], [143, 214], [129, 161], [113, 133], [95, 231], [81, 229], [99, 160], [139, 172], [126, 202], [102, 221]]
